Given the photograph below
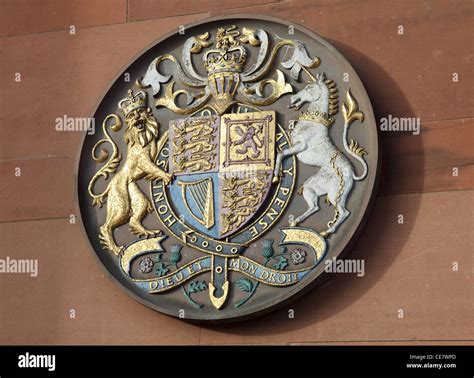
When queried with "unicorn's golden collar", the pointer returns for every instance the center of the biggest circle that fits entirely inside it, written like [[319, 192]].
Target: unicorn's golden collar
[[316, 116]]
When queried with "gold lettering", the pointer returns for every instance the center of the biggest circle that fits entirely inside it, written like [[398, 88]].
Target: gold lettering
[[264, 275], [262, 223], [191, 269], [281, 276], [163, 209], [153, 285], [271, 277], [234, 263], [170, 220], [161, 163], [289, 171], [169, 281], [253, 231], [244, 265], [272, 213], [279, 202], [158, 196], [253, 269], [280, 146], [285, 191]]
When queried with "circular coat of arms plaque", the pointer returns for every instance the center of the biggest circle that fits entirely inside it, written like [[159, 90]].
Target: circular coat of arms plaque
[[233, 158]]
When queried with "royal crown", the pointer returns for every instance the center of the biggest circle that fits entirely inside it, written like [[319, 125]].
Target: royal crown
[[132, 102], [228, 56], [224, 64]]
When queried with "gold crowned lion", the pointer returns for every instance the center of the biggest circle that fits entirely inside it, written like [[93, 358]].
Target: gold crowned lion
[[125, 201]]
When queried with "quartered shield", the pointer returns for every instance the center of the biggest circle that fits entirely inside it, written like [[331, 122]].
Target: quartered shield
[[223, 167]]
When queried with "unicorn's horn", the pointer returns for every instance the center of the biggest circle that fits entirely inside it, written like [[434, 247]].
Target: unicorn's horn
[[313, 79]]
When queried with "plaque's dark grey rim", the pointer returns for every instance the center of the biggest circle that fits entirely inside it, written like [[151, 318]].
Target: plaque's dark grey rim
[[293, 294]]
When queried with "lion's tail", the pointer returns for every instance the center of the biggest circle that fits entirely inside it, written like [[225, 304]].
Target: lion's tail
[[351, 113], [113, 162]]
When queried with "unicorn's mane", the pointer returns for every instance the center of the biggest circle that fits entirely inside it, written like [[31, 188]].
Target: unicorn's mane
[[333, 97]]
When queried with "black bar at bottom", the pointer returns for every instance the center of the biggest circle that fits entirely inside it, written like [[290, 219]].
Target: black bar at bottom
[[237, 361]]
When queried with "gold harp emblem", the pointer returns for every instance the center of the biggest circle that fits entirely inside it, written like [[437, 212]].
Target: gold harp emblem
[[202, 194]]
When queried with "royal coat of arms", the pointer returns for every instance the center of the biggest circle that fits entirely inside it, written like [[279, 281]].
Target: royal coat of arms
[[256, 152]]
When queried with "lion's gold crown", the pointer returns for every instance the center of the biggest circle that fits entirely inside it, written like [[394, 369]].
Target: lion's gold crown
[[132, 102]]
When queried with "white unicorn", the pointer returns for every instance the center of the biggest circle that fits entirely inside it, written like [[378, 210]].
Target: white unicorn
[[312, 145]]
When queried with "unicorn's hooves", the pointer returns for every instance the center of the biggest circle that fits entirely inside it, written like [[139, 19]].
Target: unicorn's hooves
[[275, 179], [293, 224]]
